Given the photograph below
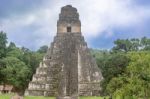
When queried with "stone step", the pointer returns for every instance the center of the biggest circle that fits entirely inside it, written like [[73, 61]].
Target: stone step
[[36, 86], [41, 86], [40, 75], [42, 82], [41, 92]]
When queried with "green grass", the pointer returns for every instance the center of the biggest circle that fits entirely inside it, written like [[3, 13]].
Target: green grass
[[8, 96]]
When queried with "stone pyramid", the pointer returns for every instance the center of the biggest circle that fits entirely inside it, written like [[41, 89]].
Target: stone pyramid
[[68, 68]]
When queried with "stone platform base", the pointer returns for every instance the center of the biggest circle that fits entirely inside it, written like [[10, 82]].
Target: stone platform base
[[68, 97]]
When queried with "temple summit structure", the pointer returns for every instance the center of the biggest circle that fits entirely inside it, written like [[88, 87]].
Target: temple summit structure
[[68, 69]]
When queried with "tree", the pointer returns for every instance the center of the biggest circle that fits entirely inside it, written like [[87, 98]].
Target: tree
[[11, 46], [32, 59], [17, 65], [36, 59], [135, 82], [145, 43], [3, 42], [111, 65], [134, 44], [13, 51], [43, 49], [122, 45], [16, 73]]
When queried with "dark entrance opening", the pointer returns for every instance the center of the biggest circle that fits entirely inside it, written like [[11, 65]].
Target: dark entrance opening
[[68, 29]]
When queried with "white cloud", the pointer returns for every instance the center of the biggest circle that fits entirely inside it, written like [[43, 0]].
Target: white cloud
[[96, 16]]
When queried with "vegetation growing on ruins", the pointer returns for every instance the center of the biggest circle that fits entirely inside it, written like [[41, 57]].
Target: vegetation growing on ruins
[[125, 67]]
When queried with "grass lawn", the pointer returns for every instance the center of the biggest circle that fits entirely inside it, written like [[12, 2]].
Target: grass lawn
[[8, 96], [5, 96]]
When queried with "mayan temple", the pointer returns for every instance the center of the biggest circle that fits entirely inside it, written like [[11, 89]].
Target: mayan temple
[[68, 69]]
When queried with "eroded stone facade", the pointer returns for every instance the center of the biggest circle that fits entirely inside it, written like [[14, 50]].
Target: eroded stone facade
[[68, 70]]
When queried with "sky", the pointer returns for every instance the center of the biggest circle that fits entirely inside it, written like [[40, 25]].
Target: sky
[[32, 23]]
